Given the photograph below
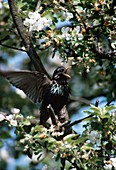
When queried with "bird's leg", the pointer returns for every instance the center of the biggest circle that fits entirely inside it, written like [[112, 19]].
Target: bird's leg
[[52, 114]]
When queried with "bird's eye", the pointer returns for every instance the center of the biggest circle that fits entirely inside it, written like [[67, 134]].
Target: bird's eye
[[62, 70]]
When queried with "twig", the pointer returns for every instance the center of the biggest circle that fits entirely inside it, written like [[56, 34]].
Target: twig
[[79, 121], [80, 99], [14, 48], [7, 37], [97, 103], [68, 124]]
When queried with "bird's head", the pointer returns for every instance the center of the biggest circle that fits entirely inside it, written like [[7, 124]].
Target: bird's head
[[60, 75]]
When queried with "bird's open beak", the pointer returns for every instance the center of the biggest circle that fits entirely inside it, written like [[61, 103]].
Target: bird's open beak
[[65, 74], [68, 76]]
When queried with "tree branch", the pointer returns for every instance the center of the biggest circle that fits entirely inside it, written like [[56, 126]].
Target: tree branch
[[80, 99], [26, 39], [79, 121], [14, 48]]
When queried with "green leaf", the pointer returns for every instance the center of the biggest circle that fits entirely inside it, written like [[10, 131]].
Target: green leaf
[[95, 109], [89, 112], [105, 116], [80, 140], [87, 147], [51, 140], [109, 108], [48, 13], [70, 137], [37, 128], [27, 122]]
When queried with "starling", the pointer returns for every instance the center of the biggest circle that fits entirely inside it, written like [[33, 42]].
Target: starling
[[39, 88]]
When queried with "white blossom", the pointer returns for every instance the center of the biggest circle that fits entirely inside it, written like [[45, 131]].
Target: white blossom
[[2, 117], [78, 33], [95, 137], [35, 22], [113, 44], [77, 29], [80, 36], [110, 164], [62, 1], [15, 110], [9, 117], [113, 162], [27, 22], [67, 15], [65, 33], [34, 15], [13, 122]]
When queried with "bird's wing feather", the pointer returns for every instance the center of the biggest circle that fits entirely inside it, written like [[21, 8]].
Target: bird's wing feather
[[33, 84]]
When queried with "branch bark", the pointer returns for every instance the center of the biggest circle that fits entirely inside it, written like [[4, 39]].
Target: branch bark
[[14, 48], [26, 39], [79, 121]]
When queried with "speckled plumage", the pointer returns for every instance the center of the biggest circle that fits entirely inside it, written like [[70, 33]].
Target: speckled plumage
[[39, 88]]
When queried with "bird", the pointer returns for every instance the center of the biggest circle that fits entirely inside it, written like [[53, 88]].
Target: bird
[[53, 92]]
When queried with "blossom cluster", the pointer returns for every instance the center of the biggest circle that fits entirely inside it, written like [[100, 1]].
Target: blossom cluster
[[11, 117], [35, 22], [80, 147], [69, 34], [67, 15]]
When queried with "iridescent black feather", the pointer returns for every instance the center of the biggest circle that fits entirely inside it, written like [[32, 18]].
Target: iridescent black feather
[[39, 88]]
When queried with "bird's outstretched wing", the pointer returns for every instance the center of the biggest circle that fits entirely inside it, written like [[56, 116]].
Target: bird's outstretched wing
[[33, 83]]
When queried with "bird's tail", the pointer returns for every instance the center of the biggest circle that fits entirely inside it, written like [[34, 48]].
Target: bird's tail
[[44, 115]]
